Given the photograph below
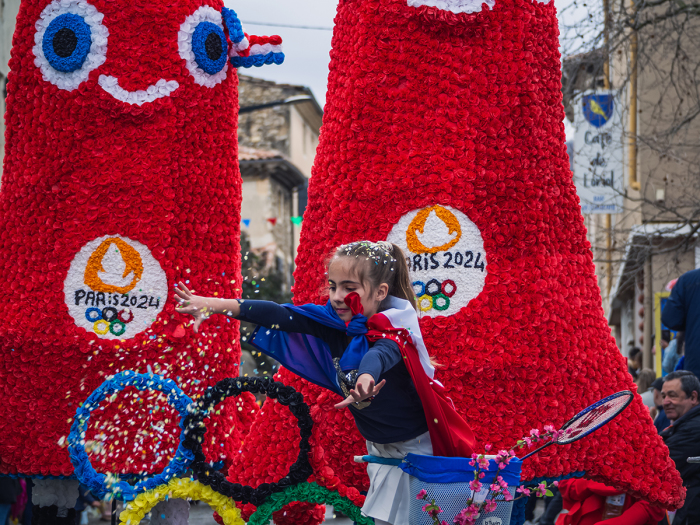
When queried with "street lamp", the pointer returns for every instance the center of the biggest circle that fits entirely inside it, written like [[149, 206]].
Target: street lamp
[[290, 100]]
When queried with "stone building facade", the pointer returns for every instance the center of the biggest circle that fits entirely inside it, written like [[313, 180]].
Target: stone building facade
[[277, 146]]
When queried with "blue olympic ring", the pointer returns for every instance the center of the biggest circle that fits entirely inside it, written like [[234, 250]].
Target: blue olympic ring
[[96, 311], [84, 470], [422, 288]]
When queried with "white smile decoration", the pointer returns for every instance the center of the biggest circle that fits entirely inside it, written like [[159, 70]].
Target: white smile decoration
[[115, 288], [445, 255]]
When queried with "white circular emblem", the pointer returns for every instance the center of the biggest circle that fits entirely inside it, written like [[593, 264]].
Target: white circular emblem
[[445, 255], [115, 288]]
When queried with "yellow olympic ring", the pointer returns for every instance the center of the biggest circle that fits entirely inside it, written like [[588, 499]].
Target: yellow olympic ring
[[98, 330], [181, 488], [425, 303]]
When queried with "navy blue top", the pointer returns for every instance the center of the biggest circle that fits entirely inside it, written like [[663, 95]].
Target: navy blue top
[[396, 412], [682, 312]]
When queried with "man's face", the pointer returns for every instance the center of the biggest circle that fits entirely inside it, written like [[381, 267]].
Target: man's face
[[675, 402]]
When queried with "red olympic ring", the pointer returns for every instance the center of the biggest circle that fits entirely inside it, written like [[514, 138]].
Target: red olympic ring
[[452, 284], [121, 316]]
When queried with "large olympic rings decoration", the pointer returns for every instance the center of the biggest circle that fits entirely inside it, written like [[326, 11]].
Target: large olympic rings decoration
[[97, 482], [195, 429], [189, 452], [181, 488]]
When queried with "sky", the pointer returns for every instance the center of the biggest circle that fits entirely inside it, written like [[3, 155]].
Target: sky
[[306, 50]]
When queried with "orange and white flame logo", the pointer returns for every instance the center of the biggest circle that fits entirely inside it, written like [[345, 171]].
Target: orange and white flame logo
[[114, 279], [436, 227], [115, 288], [445, 255]]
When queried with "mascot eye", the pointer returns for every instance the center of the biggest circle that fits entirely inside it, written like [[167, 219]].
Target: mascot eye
[[209, 46], [70, 42], [202, 45], [66, 42]]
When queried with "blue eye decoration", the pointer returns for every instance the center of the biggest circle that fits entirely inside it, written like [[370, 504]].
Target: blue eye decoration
[[66, 42], [209, 47]]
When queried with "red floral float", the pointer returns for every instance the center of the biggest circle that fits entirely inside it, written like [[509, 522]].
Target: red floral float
[[120, 178], [462, 113]]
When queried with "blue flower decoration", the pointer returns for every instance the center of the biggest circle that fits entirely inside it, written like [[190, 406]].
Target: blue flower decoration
[[233, 24], [258, 60], [209, 47], [67, 42], [84, 471]]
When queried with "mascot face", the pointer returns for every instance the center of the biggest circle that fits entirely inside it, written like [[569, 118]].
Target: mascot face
[[120, 178], [164, 55]]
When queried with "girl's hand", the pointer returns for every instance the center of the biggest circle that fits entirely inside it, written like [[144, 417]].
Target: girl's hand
[[364, 388], [191, 304]]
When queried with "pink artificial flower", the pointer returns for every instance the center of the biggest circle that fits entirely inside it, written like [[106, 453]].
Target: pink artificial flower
[[549, 429], [535, 433], [422, 494], [475, 485], [524, 490], [556, 483], [482, 475], [490, 506], [487, 447], [425, 507], [528, 441], [483, 463], [507, 495]]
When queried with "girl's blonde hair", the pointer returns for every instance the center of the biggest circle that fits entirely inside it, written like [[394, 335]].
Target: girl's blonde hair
[[377, 263]]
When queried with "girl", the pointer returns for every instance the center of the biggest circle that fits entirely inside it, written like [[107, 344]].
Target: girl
[[364, 344]]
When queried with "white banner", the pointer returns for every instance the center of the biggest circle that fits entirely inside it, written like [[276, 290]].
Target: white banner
[[598, 153]]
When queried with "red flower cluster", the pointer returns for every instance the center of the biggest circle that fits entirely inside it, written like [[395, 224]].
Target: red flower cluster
[[81, 164], [427, 107]]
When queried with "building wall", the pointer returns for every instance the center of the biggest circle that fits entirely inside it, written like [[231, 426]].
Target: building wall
[[264, 198], [292, 130], [271, 128], [8, 16]]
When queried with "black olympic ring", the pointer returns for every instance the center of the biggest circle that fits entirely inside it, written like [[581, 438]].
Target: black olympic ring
[[195, 429], [112, 314]]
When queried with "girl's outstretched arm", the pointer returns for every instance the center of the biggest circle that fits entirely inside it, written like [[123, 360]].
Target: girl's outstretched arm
[[202, 307]]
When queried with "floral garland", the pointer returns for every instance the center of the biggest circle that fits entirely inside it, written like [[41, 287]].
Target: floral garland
[[132, 144], [182, 488], [309, 493], [100, 484], [195, 429], [461, 110]]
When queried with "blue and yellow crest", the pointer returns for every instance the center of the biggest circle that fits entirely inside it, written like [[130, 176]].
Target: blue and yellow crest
[[597, 109]]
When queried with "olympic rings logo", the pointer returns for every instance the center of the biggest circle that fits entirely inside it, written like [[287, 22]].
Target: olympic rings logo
[[109, 319], [434, 294]]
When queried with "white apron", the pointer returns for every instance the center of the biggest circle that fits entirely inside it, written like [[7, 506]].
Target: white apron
[[389, 495]]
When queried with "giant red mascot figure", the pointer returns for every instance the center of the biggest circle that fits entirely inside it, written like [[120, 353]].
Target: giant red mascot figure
[[443, 133], [120, 179]]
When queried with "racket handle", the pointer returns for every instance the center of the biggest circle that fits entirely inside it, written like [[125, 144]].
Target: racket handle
[[378, 460], [536, 451], [695, 459]]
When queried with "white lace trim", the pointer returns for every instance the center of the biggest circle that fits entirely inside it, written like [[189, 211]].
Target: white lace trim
[[162, 88]]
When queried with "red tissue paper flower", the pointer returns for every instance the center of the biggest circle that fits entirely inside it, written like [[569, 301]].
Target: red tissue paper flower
[[443, 133], [120, 179]]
